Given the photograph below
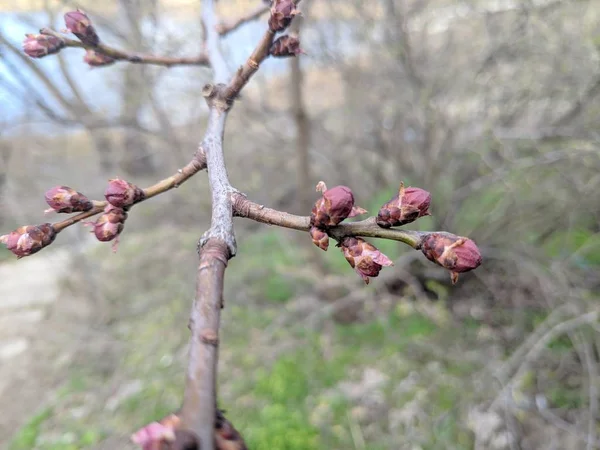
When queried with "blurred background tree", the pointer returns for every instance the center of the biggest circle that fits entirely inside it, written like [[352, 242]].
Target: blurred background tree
[[490, 105]]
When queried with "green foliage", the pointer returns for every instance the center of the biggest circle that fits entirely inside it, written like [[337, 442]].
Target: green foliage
[[27, 436]]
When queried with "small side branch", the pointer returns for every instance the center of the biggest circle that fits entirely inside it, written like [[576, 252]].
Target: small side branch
[[185, 173], [136, 58], [243, 207]]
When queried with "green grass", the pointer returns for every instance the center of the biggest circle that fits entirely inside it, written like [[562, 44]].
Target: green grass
[[26, 438]]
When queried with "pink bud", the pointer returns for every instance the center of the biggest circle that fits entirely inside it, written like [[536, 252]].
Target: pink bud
[[406, 207], [455, 253], [96, 59], [319, 238], [282, 13], [40, 45], [29, 239], [63, 199], [167, 431], [110, 224], [153, 436], [121, 193], [285, 46], [335, 205], [81, 26], [366, 260]]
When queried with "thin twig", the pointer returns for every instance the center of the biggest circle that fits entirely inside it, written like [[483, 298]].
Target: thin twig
[[540, 345], [136, 58], [185, 173], [227, 26], [367, 228]]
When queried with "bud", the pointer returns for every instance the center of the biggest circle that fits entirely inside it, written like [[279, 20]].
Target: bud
[[40, 45], [455, 253], [366, 260], [406, 207], [226, 436], [81, 26], [335, 205], [319, 238], [110, 224], [29, 239], [286, 46], [121, 193], [96, 59], [153, 436], [63, 199], [282, 13]]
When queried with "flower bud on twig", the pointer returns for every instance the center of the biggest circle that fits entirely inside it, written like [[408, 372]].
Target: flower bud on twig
[[29, 239], [319, 238], [226, 436], [40, 45], [153, 436], [455, 253], [63, 199], [81, 26], [95, 59], [285, 46], [364, 258], [110, 224], [121, 193], [406, 207], [282, 13], [335, 205]]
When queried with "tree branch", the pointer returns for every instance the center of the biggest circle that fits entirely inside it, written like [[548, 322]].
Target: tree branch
[[136, 58], [185, 173], [243, 207]]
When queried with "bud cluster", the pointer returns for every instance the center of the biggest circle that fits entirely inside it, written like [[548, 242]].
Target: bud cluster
[[455, 253], [110, 224], [406, 207], [122, 194], [63, 199], [95, 59], [282, 14], [168, 433], [80, 25], [29, 239], [335, 205], [40, 45], [286, 46], [364, 258]]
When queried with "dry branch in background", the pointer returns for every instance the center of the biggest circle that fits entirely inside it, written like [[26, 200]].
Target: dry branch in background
[[199, 423]]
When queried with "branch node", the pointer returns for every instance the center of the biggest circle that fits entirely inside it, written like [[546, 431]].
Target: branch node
[[209, 90], [209, 337]]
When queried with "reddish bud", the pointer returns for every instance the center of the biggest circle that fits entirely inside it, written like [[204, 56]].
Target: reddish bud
[[81, 26], [96, 59], [63, 199], [406, 207], [29, 239], [226, 436], [319, 238], [286, 46], [121, 193], [40, 45], [335, 205], [455, 253], [110, 224], [364, 258], [282, 13], [153, 436]]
